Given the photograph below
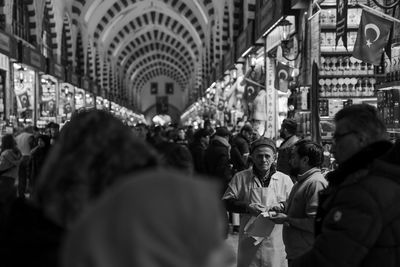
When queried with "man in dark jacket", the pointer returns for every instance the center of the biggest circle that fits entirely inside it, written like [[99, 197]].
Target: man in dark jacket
[[240, 148], [201, 139], [358, 219], [217, 157], [288, 133]]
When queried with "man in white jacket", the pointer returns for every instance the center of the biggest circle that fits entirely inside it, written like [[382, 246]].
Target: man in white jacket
[[251, 192]]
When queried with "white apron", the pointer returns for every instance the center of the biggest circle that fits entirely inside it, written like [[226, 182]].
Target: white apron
[[271, 251]]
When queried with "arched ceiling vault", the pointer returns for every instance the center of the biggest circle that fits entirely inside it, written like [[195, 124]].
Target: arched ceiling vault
[[136, 35], [179, 78]]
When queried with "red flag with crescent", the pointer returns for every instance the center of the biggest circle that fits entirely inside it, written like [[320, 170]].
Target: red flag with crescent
[[372, 38]]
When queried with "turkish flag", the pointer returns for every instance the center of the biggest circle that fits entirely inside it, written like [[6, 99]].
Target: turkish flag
[[372, 38], [282, 72]]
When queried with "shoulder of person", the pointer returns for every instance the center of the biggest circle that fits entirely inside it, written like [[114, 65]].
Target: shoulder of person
[[281, 176]]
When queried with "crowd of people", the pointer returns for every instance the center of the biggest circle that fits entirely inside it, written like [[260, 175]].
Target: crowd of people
[[99, 193]]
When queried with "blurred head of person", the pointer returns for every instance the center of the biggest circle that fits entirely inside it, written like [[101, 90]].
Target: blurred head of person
[[43, 141], [247, 132], [288, 128], [305, 155], [178, 156], [159, 218], [94, 151], [141, 131], [357, 126], [8, 142], [202, 136]]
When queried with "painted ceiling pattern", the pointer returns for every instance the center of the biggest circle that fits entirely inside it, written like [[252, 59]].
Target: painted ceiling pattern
[[150, 38]]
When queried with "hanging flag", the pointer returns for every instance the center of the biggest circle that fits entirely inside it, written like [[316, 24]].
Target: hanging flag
[[282, 72], [341, 21], [372, 38]]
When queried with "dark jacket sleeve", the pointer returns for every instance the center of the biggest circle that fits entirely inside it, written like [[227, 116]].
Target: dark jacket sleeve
[[351, 226]]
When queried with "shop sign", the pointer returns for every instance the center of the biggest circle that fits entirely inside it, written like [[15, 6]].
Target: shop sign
[[245, 40], [31, 57], [300, 4], [85, 83], [75, 79], [229, 59], [59, 71], [5, 43], [268, 13], [96, 89], [4, 62], [218, 71], [36, 59]]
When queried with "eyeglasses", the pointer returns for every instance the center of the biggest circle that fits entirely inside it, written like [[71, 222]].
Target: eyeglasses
[[337, 136]]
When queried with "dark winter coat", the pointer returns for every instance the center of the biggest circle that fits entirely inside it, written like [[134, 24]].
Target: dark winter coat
[[358, 221], [198, 151], [240, 147], [29, 238], [218, 162]]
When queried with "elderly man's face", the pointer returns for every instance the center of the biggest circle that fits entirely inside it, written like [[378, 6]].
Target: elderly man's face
[[346, 142], [262, 158]]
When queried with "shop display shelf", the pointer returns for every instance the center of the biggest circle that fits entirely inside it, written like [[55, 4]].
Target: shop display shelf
[[344, 98], [393, 130], [330, 52], [322, 76], [388, 85]]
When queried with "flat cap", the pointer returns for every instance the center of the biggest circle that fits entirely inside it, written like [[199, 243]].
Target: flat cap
[[263, 141]]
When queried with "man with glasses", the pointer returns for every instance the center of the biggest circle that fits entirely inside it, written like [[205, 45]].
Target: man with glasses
[[358, 219]]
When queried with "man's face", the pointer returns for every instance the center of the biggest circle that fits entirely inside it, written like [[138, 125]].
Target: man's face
[[346, 142], [262, 158]]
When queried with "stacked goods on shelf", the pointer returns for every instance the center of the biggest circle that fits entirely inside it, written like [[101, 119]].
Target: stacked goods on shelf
[[388, 107]]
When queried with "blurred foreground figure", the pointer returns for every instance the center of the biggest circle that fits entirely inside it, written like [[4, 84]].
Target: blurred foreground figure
[[358, 218], [94, 151], [158, 218]]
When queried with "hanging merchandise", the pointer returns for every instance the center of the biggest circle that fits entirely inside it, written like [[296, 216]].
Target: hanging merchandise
[[80, 101], [66, 101], [24, 89], [99, 102], [47, 101], [90, 100]]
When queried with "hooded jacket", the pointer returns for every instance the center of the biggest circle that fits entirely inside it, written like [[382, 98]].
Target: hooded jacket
[[358, 219]]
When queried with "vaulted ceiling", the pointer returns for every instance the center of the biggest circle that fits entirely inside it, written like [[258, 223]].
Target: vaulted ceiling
[[151, 38]]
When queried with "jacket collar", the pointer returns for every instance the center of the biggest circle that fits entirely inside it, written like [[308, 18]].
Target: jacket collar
[[359, 162], [289, 142], [302, 177]]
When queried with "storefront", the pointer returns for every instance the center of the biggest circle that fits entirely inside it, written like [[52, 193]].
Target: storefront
[[80, 94], [26, 85], [47, 100], [7, 50], [270, 104], [90, 98]]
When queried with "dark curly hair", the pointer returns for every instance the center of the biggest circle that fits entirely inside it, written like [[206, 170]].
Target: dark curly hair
[[94, 151]]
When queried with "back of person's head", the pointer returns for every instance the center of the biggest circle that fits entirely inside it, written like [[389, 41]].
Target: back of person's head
[[201, 133], [247, 128], [158, 218], [363, 119], [8, 142], [290, 125], [45, 139], [312, 150], [222, 132], [178, 156], [94, 150]]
